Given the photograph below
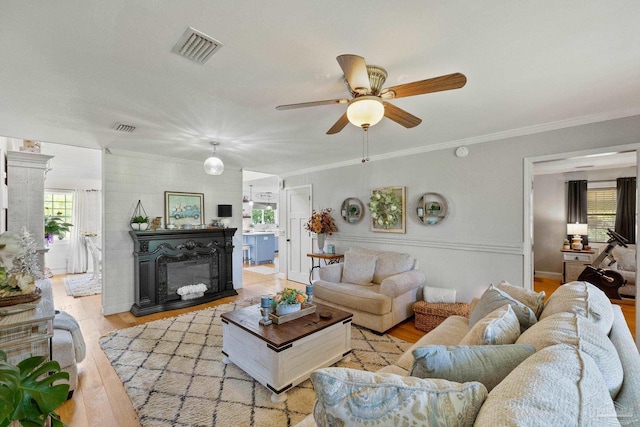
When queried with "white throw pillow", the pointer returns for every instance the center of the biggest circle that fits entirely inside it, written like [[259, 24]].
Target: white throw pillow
[[442, 295], [557, 386], [584, 299], [533, 300], [501, 326], [358, 268], [351, 397], [577, 331]]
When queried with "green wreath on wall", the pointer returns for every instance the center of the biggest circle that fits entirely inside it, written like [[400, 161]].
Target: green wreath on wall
[[385, 207]]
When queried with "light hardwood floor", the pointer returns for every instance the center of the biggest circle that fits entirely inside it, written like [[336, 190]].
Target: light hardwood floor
[[100, 398]]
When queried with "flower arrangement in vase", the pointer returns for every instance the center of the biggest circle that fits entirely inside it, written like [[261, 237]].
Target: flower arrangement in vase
[[321, 223], [287, 301]]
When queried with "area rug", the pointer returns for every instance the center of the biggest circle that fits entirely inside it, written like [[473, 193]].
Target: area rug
[[80, 285], [173, 372], [262, 270]]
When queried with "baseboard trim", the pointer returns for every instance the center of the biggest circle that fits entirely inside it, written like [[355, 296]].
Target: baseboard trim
[[548, 275]]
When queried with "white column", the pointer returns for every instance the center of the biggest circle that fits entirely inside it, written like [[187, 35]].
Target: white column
[[25, 182]]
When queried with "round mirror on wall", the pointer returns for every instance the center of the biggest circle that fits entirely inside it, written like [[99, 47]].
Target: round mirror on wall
[[352, 210], [432, 208]]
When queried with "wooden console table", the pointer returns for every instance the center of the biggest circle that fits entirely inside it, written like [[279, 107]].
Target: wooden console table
[[328, 259]]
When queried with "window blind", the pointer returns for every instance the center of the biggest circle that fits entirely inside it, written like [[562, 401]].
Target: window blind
[[601, 212]]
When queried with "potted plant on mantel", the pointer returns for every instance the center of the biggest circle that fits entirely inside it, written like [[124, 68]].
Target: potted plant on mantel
[[140, 222], [27, 393]]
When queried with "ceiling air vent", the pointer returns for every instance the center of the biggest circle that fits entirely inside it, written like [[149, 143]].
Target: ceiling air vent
[[124, 128], [196, 46]]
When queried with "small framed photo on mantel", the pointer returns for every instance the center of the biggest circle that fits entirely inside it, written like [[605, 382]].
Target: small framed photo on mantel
[[387, 207], [183, 210]]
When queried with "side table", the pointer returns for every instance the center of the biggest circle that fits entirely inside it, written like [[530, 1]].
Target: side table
[[29, 333], [328, 259], [574, 262]]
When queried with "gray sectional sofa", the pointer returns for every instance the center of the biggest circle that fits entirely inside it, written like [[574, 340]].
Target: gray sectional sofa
[[576, 364]]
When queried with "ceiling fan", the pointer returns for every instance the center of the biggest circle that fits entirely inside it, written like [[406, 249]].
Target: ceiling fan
[[368, 102]]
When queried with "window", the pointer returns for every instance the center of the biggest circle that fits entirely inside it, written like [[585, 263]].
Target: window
[[263, 216], [59, 204], [601, 212]]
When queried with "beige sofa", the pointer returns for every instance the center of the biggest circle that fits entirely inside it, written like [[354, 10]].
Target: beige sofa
[[378, 287], [583, 369]]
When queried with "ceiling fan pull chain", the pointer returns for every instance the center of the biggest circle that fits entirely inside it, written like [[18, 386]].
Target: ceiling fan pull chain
[[367, 132], [365, 135]]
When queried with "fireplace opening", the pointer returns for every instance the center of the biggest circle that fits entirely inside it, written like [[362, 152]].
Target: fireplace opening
[[185, 273], [175, 272]]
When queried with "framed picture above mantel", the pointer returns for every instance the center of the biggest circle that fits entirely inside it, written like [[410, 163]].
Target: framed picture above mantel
[[183, 209], [387, 207]]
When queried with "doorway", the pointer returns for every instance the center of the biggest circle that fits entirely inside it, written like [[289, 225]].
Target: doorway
[[261, 239], [544, 180], [298, 202]]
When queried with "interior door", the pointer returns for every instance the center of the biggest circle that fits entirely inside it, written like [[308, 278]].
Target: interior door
[[298, 200]]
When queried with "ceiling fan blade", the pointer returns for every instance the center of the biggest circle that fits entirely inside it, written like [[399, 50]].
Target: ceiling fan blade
[[436, 84], [312, 104], [400, 116], [339, 125], [355, 71]]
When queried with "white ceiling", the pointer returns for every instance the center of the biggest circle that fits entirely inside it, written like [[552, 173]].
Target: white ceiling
[[71, 69]]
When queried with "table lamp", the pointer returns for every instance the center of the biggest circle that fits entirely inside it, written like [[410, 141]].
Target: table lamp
[[577, 230]]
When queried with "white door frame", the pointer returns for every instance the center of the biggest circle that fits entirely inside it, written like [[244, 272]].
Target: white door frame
[[302, 249], [528, 208]]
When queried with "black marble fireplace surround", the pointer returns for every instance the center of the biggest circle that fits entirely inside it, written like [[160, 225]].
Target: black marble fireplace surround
[[168, 259]]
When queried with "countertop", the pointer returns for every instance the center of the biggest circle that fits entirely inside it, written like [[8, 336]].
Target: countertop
[[253, 233]]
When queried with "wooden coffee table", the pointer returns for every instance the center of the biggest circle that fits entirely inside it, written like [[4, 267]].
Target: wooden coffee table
[[282, 356]]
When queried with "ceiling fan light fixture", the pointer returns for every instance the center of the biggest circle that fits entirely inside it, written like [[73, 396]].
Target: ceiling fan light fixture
[[213, 165], [365, 111]]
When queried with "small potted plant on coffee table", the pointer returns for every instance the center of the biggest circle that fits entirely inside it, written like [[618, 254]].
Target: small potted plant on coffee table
[[287, 301]]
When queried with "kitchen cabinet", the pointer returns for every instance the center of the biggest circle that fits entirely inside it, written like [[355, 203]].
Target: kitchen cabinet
[[262, 247]]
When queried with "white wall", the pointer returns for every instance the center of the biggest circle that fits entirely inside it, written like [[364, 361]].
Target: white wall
[[128, 178], [482, 240], [550, 214]]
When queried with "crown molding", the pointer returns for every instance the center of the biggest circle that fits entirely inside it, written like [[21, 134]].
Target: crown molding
[[496, 136]]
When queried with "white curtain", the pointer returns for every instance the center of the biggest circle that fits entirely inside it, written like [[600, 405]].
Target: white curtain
[[87, 220]]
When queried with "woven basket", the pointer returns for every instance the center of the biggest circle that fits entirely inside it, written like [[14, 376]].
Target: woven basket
[[431, 314]]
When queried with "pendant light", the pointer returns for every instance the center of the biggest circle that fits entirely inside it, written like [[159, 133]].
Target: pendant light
[[213, 165], [251, 195]]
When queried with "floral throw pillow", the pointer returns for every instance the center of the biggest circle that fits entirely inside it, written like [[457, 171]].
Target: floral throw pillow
[[350, 397]]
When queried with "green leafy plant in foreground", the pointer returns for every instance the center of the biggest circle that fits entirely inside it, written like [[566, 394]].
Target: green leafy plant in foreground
[[27, 393]]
